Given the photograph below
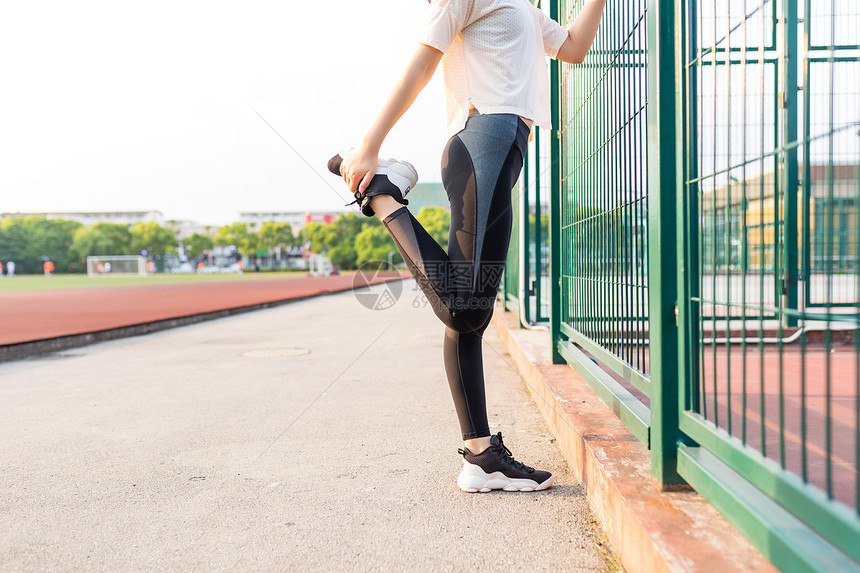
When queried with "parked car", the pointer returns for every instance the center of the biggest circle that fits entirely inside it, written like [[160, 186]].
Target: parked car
[[183, 268], [234, 268]]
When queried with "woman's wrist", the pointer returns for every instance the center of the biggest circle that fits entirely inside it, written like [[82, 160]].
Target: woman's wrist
[[370, 145]]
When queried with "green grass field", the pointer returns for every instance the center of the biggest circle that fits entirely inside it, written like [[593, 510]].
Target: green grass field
[[40, 282]]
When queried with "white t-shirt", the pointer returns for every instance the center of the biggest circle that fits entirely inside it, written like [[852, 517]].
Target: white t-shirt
[[494, 57]]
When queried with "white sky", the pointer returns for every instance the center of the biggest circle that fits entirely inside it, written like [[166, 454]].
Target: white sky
[[114, 105]]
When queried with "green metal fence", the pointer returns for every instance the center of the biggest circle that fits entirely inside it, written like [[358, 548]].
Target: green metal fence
[[771, 314], [510, 287], [705, 256], [603, 206], [526, 284]]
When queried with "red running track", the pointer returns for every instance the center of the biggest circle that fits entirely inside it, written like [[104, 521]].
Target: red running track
[[40, 315]]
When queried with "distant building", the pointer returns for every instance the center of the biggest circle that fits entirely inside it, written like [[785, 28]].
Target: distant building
[[742, 220], [296, 219], [423, 195], [88, 218], [185, 229], [324, 218]]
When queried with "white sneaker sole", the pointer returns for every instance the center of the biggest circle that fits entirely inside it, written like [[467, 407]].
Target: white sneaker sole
[[473, 479]]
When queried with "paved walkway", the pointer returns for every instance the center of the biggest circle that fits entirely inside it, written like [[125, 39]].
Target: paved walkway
[[319, 435]]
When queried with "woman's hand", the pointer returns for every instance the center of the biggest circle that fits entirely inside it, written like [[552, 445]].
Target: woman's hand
[[359, 167]]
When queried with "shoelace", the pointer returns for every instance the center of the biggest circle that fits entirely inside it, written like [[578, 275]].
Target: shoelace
[[359, 196], [509, 457], [506, 455]]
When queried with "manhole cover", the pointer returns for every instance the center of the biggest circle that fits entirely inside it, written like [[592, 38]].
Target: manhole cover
[[276, 353]]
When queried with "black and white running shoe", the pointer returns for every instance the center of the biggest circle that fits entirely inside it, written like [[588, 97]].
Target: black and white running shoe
[[393, 177], [495, 468]]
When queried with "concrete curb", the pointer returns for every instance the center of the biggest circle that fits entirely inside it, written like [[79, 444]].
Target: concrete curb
[[21, 350], [649, 529]]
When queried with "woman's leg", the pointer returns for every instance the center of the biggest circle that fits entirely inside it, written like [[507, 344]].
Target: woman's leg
[[479, 168], [464, 366], [480, 239], [384, 205]]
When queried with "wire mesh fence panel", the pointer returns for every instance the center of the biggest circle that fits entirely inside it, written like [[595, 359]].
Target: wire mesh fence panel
[[829, 408], [511, 277], [773, 89], [538, 223], [604, 203], [526, 283], [530, 235]]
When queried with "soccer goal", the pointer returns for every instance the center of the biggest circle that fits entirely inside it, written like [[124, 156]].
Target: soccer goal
[[319, 265], [120, 265]]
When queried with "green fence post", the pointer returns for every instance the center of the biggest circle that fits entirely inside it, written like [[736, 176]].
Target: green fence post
[[663, 100], [538, 296], [790, 172], [555, 202], [687, 203], [525, 274], [513, 262]]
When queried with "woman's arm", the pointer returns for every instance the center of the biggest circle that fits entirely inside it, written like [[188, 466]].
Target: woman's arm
[[581, 34], [359, 167]]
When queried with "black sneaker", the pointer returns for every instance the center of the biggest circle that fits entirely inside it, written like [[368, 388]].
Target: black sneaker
[[393, 177], [495, 468]]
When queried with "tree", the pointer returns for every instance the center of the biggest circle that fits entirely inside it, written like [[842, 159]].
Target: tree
[[321, 236], [196, 244], [153, 238], [343, 257], [275, 235], [372, 247], [349, 225], [102, 239], [437, 222], [339, 240], [29, 241], [240, 237]]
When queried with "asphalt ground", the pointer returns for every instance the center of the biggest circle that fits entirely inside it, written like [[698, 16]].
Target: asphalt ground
[[318, 435]]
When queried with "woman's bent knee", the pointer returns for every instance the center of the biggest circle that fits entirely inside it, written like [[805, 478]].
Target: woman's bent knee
[[471, 320], [463, 315]]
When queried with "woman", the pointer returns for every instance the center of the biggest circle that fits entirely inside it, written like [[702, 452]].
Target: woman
[[492, 54]]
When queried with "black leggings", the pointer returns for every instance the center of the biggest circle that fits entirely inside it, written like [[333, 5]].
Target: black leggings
[[480, 166]]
